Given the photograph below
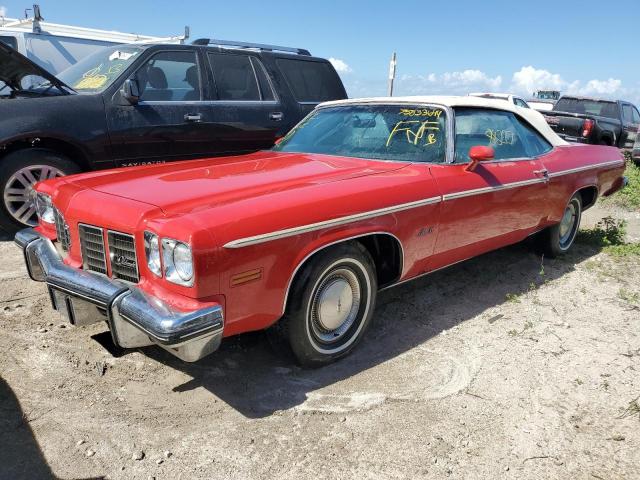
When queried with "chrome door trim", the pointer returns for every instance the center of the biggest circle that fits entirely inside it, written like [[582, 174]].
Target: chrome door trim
[[290, 232], [497, 188], [586, 167]]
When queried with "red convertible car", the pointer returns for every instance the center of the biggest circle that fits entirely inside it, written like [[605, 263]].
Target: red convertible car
[[361, 195]]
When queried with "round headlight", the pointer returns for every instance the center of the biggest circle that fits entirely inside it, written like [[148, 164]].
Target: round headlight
[[182, 261], [44, 207], [152, 251]]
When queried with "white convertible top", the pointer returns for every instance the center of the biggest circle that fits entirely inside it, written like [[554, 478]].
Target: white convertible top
[[531, 116]]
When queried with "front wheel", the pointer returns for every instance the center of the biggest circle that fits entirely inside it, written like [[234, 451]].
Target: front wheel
[[558, 239], [331, 304], [19, 171]]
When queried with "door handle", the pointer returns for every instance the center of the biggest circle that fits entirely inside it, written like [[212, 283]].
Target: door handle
[[193, 117], [276, 116], [542, 173]]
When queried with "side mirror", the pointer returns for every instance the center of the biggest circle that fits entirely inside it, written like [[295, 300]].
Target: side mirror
[[130, 91], [479, 154]]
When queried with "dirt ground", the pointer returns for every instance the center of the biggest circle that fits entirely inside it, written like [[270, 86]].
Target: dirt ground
[[504, 366]]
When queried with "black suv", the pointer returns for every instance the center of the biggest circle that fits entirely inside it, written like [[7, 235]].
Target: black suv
[[132, 105]]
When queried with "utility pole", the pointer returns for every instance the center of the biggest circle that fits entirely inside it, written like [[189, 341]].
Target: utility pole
[[392, 73]]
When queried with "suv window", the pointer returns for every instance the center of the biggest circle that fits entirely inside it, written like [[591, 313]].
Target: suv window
[[266, 90], [627, 113], [313, 82], [520, 103], [235, 77], [636, 115], [170, 76], [8, 40], [491, 128]]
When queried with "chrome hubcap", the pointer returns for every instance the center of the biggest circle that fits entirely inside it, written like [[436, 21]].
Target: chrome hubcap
[[335, 305], [19, 199], [567, 224]]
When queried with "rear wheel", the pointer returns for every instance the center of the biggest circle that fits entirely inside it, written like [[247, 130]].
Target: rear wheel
[[19, 171], [558, 239], [330, 305]]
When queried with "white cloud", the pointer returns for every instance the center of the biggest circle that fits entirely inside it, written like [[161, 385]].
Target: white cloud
[[3, 11], [529, 79], [340, 65], [523, 82], [602, 87], [448, 83]]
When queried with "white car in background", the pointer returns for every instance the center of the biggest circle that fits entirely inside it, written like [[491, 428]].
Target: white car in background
[[541, 105], [516, 100]]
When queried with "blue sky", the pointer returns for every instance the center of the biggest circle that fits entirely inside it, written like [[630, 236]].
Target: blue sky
[[443, 47]]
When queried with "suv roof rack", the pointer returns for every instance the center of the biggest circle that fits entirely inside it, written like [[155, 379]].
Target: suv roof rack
[[257, 46]]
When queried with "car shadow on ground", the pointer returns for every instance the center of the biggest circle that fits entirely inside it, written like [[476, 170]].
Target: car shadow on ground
[[20, 455], [248, 375]]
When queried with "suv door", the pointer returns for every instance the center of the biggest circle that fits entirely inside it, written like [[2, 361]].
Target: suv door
[[168, 122], [247, 113], [499, 202]]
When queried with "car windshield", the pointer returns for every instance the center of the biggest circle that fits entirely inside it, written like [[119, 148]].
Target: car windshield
[[97, 71], [415, 133], [546, 95]]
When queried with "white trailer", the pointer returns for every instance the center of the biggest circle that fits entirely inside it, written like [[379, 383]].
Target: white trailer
[[55, 47]]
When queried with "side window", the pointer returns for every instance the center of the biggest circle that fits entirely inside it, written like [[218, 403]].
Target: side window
[[536, 144], [312, 82], [492, 128], [9, 40], [235, 77], [170, 76], [627, 113], [266, 90], [636, 115], [520, 103]]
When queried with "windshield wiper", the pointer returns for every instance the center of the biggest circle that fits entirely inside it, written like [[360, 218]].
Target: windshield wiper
[[48, 85]]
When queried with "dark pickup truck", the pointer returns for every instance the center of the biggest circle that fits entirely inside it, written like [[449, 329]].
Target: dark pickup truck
[[595, 121]]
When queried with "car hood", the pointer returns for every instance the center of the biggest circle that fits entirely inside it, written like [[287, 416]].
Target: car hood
[[188, 186], [14, 67]]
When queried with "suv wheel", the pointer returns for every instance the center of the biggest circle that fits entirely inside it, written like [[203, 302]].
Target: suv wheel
[[19, 171], [330, 305]]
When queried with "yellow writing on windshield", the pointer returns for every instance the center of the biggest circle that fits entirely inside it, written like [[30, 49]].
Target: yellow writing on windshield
[[415, 131], [501, 137], [90, 83], [94, 78], [420, 112]]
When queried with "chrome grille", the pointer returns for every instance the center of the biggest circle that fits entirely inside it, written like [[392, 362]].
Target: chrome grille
[[122, 255], [62, 230], [92, 246]]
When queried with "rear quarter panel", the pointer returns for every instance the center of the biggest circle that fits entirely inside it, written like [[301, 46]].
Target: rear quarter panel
[[574, 167]]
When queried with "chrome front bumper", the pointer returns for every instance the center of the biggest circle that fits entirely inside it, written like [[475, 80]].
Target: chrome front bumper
[[135, 318]]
